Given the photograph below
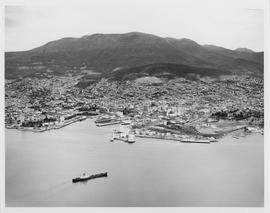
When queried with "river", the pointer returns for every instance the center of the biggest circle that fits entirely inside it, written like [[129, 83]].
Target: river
[[150, 172]]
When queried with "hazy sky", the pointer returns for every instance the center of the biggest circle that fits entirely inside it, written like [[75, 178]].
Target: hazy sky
[[30, 26]]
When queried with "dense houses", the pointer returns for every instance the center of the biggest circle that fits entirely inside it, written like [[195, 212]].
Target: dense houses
[[39, 103]]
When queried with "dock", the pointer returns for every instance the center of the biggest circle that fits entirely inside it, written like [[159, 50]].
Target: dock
[[205, 141], [123, 134]]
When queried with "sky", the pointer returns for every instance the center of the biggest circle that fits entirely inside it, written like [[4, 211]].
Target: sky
[[28, 26]]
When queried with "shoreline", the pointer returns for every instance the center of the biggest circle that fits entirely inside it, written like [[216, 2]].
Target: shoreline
[[177, 139], [216, 136], [27, 129]]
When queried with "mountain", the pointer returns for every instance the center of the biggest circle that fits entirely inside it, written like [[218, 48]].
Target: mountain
[[103, 53]]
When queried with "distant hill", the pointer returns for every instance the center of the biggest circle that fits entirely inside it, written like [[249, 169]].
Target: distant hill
[[103, 53], [244, 50], [164, 70]]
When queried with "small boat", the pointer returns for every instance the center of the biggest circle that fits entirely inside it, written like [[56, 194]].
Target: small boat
[[82, 118], [212, 139], [85, 177], [112, 138], [131, 138]]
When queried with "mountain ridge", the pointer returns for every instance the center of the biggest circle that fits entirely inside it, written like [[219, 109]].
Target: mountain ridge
[[105, 52], [239, 49]]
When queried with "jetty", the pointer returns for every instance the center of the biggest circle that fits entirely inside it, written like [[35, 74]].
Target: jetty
[[183, 140]]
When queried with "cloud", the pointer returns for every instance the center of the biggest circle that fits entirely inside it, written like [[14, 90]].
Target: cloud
[[36, 25], [13, 16]]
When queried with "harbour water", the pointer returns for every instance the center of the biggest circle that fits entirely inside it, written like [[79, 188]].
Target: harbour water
[[150, 172]]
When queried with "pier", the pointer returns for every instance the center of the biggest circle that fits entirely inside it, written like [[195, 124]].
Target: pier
[[177, 139]]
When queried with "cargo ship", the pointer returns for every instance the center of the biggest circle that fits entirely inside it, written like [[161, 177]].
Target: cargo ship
[[107, 121], [195, 141], [112, 122], [86, 177], [103, 120]]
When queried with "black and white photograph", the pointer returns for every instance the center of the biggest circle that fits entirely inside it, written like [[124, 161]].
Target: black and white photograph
[[134, 104]]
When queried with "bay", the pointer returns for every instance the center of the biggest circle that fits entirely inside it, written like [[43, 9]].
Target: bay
[[150, 172]]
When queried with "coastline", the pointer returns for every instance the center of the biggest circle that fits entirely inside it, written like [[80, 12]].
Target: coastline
[[37, 130], [177, 139], [210, 137]]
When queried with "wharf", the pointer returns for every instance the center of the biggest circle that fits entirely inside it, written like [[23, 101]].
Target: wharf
[[43, 129], [219, 133], [175, 139]]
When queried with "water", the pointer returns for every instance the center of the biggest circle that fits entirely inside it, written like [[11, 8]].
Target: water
[[40, 166]]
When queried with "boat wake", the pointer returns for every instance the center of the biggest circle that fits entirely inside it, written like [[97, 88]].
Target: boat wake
[[45, 192]]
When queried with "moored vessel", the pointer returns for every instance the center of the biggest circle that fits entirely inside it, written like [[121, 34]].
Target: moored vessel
[[112, 138], [131, 138], [112, 122], [187, 140]]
